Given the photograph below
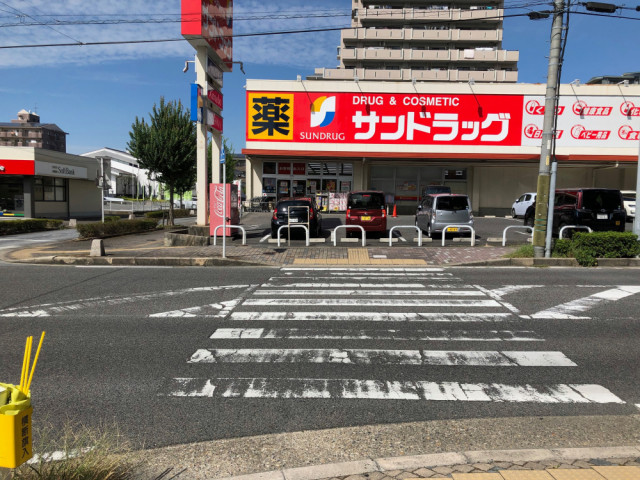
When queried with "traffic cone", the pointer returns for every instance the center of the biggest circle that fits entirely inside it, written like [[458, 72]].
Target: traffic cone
[[394, 211]]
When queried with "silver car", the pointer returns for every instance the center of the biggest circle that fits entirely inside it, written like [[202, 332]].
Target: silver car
[[445, 210]]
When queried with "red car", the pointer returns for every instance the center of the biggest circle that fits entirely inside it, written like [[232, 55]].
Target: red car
[[368, 210]]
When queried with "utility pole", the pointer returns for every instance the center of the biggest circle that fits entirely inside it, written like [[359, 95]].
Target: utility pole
[[550, 106]]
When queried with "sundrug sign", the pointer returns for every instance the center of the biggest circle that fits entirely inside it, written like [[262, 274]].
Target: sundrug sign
[[431, 119]]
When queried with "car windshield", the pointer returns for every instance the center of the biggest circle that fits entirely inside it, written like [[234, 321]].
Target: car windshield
[[452, 203], [366, 200], [601, 200]]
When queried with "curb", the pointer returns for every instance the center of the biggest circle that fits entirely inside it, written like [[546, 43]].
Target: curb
[[332, 470], [139, 261]]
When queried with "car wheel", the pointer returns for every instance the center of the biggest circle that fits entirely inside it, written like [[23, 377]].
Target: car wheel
[[528, 221], [513, 213], [274, 233]]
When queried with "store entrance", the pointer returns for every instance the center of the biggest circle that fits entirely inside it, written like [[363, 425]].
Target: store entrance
[[11, 196]]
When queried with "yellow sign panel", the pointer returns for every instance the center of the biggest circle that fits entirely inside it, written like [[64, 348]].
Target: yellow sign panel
[[270, 116]]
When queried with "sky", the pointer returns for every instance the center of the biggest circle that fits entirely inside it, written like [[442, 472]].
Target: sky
[[95, 93]]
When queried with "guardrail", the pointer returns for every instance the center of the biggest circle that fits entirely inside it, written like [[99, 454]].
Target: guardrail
[[131, 207], [406, 226], [288, 227], [244, 233], [575, 227], [504, 232], [334, 236], [473, 232]]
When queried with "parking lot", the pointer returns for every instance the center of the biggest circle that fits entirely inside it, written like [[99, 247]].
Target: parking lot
[[488, 230]]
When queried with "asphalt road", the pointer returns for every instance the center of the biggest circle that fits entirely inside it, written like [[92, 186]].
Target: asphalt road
[[133, 346]]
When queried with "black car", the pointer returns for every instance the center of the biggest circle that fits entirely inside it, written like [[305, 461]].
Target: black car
[[600, 209], [292, 211]]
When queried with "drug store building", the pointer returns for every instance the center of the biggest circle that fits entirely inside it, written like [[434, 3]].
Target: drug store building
[[325, 138]]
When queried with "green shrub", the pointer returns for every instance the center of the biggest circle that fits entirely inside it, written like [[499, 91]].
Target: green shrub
[[111, 218], [177, 213], [525, 251], [10, 227], [562, 248], [109, 229], [587, 247]]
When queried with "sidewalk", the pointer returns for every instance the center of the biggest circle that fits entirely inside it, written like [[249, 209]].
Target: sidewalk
[[149, 249]]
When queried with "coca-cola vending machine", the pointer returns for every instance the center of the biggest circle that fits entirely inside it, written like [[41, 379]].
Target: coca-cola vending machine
[[216, 207]]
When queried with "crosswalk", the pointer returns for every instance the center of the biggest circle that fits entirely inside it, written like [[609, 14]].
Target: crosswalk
[[369, 322]]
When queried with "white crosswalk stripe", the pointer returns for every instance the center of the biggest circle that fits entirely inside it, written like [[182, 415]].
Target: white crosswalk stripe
[[342, 305]]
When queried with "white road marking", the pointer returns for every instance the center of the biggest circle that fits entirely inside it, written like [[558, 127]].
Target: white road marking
[[507, 289], [344, 285], [324, 388], [49, 309], [567, 310], [498, 298], [382, 293], [450, 317], [344, 334], [365, 302], [213, 310], [383, 357], [361, 269], [265, 238], [432, 277]]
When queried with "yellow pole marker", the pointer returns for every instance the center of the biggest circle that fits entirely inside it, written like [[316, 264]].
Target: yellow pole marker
[[25, 364], [35, 360], [24, 361]]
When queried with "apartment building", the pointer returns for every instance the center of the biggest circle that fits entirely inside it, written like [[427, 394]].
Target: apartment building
[[27, 131], [424, 40]]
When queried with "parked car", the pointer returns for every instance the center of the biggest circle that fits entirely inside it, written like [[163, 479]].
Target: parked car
[[368, 210], [188, 204], [302, 210], [519, 207], [113, 200], [265, 203], [438, 211], [600, 209], [629, 199]]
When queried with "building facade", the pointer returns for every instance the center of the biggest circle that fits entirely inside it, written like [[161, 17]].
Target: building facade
[[393, 40], [323, 138], [40, 183], [125, 178], [27, 131]]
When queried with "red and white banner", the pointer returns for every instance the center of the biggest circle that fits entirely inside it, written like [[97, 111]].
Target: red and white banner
[[213, 21], [17, 167], [433, 119]]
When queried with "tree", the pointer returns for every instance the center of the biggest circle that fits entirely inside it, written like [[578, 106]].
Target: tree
[[230, 160], [167, 147]]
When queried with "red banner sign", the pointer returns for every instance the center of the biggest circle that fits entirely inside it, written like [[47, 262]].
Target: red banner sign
[[213, 21], [384, 118], [17, 167], [216, 97]]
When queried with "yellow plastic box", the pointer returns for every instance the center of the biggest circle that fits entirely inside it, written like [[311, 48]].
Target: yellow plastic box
[[15, 429]]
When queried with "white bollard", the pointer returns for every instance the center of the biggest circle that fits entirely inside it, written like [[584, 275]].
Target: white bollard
[[97, 248]]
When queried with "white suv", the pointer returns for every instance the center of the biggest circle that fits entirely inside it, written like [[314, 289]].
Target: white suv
[[629, 198]]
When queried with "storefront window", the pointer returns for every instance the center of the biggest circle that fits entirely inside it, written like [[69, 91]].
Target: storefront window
[[11, 195], [49, 189], [329, 169], [269, 185], [315, 168], [269, 168], [345, 169], [313, 185], [329, 185]]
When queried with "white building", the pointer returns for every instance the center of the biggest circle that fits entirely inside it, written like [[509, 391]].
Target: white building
[[125, 177]]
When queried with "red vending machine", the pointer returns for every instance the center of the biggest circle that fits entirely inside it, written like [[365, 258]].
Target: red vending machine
[[216, 208]]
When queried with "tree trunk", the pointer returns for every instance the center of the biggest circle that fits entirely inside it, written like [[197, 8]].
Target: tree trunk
[[171, 191]]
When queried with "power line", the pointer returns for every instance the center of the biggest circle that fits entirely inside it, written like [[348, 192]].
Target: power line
[[29, 16]]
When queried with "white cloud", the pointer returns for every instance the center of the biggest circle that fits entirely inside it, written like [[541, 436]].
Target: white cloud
[[303, 50]]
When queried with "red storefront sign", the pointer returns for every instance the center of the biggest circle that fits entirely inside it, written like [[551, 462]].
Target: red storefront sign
[[284, 168], [384, 118], [213, 21], [299, 168], [216, 97], [17, 167]]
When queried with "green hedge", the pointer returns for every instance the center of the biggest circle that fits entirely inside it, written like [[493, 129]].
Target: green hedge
[[177, 213], [10, 227], [587, 247], [121, 227]]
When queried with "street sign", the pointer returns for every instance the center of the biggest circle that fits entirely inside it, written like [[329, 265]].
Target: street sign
[[223, 156]]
